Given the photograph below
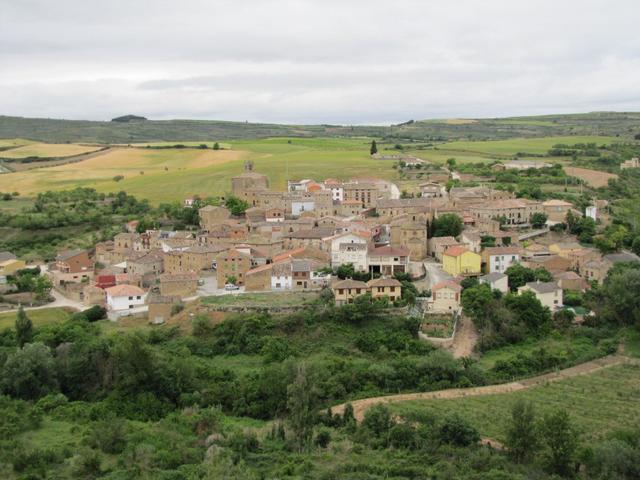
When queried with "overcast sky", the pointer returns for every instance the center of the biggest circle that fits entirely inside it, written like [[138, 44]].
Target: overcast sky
[[317, 61]]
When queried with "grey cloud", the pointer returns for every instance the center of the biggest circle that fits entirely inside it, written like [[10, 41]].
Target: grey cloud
[[309, 61]]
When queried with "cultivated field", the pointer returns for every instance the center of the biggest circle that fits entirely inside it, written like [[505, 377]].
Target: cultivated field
[[598, 402], [528, 145], [594, 178], [48, 150], [172, 174]]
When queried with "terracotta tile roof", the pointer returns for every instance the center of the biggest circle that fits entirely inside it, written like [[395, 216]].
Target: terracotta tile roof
[[455, 251], [446, 284], [384, 282], [348, 283], [125, 291], [389, 250]]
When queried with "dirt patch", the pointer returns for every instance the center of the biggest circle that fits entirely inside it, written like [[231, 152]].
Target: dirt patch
[[361, 406], [465, 338], [594, 178]]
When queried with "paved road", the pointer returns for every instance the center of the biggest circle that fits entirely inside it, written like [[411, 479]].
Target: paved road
[[60, 301], [435, 274]]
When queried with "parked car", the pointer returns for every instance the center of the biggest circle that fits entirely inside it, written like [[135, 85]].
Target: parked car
[[231, 286]]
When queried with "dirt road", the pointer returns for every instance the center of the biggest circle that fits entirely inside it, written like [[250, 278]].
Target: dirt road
[[361, 406], [465, 338]]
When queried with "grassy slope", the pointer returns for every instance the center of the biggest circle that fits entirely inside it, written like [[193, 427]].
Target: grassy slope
[[40, 317], [598, 403], [529, 145]]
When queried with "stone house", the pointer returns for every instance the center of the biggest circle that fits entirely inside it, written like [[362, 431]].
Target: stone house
[[411, 236], [385, 287], [570, 281], [438, 245], [364, 192], [551, 263], [313, 237], [178, 284], [345, 291], [161, 307], [149, 264], [193, 259], [515, 211], [258, 278], [74, 261], [232, 263], [556, 210]]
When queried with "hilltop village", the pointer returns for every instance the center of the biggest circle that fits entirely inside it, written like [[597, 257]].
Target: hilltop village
[[353, 237]]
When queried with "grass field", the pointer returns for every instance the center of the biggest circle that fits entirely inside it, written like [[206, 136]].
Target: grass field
[[529, 145], [261, 299], [13, 142], [40, 317], [174, 174], [48, 150], [598, 403]]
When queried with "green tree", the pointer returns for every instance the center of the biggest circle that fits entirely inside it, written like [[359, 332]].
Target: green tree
[[216, 146], [42, 287], [24, 328], [635, 245], [451, 163], [29, 373], [522, 432], [374, 148], [519, 275], [447, 225], [236, 205], [529, 311], [561, 441], [538, 219], [378, 422], [302, 407]]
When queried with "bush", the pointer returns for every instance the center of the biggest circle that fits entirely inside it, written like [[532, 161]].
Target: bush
[[454, 430]]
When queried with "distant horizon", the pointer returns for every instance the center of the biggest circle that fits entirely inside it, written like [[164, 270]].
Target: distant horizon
[[292, 123]]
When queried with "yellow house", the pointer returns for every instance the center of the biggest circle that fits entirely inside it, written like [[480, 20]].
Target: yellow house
[[9, 267], [460, 261]]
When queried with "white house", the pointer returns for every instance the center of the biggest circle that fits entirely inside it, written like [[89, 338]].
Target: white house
[[300, 205], [549, 293], [497, 281], [125, 297], [498, 259], [350, 247], [281, 276], [337, 190]]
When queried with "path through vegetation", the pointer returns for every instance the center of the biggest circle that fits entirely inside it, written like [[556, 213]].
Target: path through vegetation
[[361, 406]]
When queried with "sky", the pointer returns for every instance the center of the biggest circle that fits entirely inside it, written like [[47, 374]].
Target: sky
[[317, 61]]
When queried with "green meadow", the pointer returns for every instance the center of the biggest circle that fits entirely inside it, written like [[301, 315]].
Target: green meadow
[[598, 403]]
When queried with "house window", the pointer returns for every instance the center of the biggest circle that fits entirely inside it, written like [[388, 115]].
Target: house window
[[130, 306], [138, 297], [130, 298]]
